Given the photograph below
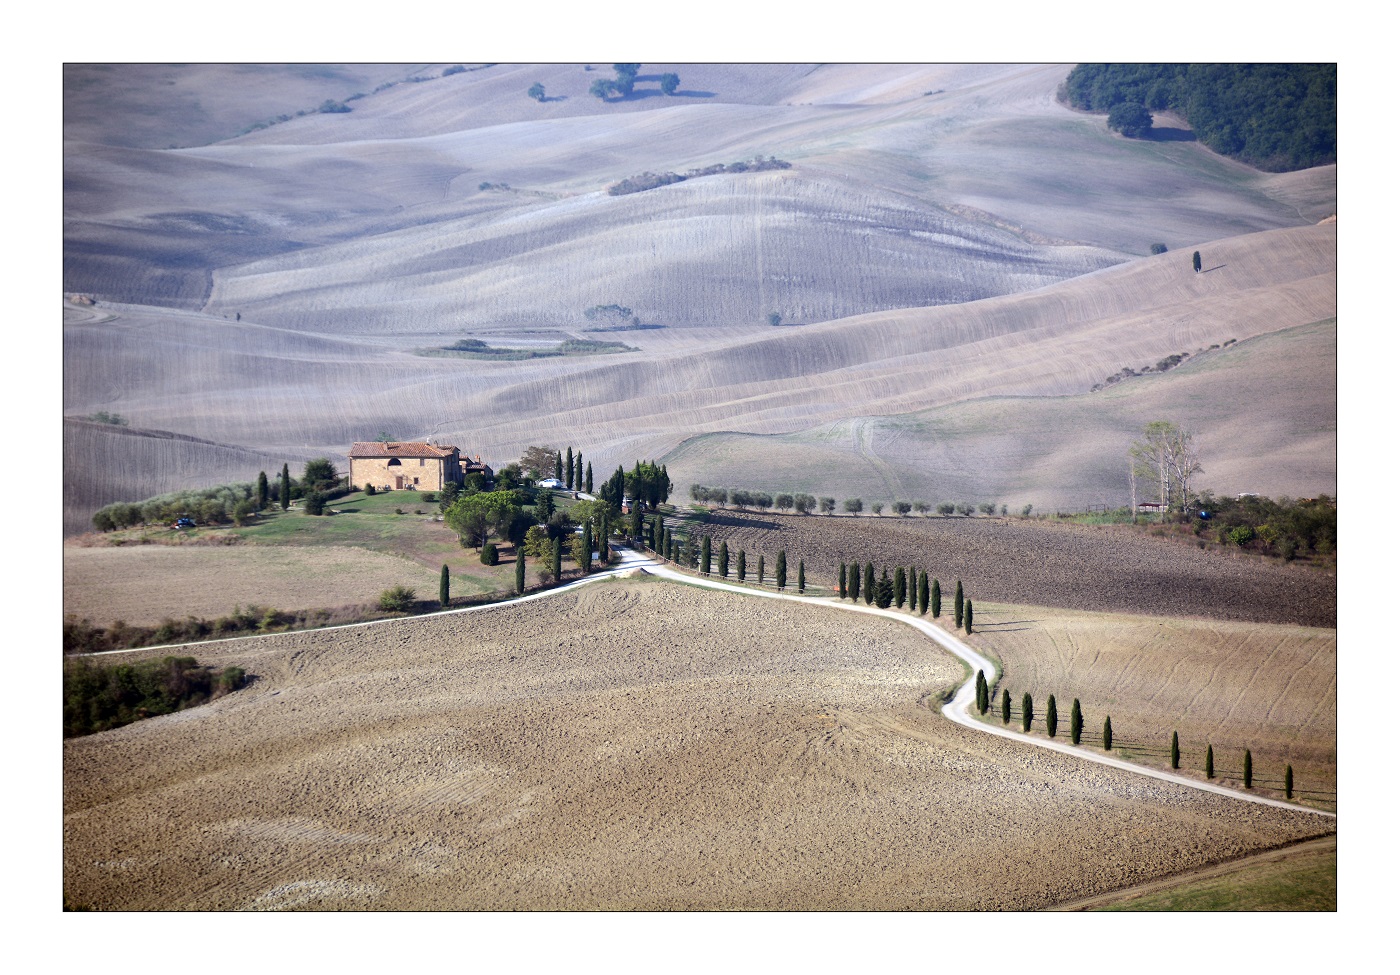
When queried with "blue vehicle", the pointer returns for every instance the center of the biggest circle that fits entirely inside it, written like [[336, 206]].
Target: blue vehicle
[[182, 523]]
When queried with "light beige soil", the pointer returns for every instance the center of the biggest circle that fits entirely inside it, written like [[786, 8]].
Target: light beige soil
[[146, 584], [632, 745], [1271, 689]]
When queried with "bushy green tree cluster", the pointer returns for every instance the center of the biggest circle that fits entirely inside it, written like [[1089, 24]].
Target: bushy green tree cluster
[[97, 697], [1277, 117]]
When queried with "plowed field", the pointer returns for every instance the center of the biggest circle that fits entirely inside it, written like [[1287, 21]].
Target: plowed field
[[1044, 564], [630, 745]]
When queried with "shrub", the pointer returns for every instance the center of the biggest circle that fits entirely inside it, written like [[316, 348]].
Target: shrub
[[946, 508], [399, 599], [902, 508], [489, 554], [1242, 535], [854, 505], [828, 505], [1157, 249], [315, 503], [877, 507]]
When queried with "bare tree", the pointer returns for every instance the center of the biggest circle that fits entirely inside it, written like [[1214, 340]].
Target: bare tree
[[1167, 457]]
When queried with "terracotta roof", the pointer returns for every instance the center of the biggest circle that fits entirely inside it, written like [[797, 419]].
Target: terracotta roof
[[398, 449]]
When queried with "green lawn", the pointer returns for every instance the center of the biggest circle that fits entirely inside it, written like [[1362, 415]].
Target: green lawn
[[1305, 882]]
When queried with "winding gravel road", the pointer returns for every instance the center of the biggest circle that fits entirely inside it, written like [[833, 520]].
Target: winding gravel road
[[959, 708]]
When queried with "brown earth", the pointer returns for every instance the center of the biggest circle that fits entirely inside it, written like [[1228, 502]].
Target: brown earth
[[1044, 563], [630, 745]]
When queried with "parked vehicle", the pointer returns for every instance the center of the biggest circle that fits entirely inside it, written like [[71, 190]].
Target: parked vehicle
[[181, 523]]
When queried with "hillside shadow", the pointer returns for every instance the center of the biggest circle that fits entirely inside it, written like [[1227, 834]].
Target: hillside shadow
[[719, 518], [639, 95], [1216, 268], [1170, 135]]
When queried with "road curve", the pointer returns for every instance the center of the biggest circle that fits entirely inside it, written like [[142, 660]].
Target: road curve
[[959, 707]]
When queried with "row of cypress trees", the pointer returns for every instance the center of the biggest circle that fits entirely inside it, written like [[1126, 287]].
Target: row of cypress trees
[[1052, 714], [912, 586], [682, 551]]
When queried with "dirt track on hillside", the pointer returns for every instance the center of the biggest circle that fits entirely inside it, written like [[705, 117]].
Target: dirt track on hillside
[[1043, 564], [633, 744]]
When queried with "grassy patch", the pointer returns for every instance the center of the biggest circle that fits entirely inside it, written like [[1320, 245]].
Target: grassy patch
[[1304, 882]]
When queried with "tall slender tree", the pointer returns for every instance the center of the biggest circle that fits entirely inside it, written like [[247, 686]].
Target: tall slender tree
[[587, 548], [884, 590], [967, 615], [841, 580], [569, 469], [1052, 717], [742, 567], [981, 692], [936, 600], [588, 479], [958, 606], [520, 570], [901, 587], [801, 576], [1248, 769], [724, 560], [1288, 782], [1027, 711], [558, 466], [869, 583], [705, 555], [760, 570], [1076, 722], [444, 588], [1176, 751], [284, 492], [1210, 761], [923, 593], [1196, 261], [1107, 733], [913, 577], [780, 572], [557, 567], [854, 573], [262, 490], [1005, 706]]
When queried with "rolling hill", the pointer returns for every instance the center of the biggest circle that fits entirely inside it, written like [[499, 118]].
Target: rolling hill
[[963, 255]]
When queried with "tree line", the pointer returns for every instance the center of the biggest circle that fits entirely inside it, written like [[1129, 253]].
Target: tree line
[[805, 504], [97, 697], [1277, 117]]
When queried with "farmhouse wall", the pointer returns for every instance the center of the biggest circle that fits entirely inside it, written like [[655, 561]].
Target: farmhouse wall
[[418, 468]]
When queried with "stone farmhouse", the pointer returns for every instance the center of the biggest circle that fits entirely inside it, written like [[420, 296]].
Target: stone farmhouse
[[412, 466]]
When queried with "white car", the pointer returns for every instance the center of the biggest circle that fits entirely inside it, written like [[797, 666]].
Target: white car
[[552, 483]]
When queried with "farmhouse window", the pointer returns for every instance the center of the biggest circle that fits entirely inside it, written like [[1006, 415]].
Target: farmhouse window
[[395, 462], [420, 461]]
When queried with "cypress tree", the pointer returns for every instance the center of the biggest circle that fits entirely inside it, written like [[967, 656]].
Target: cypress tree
[[1005, 706], [741, 568], [569, 470], [936, 600], [262, 490], [724, 560], [1027, 711], [578, 471], [841, 580], [801, 576], [869, 583], [705, 555], [884, 590], [558, 466], [958, 606], [587, 548], [1052, 717], [588, 481], [666, 544], [760, 570], [923, 593], [1288, 782], [1076, 722], [1248, 770], [780, 573], [1196, 261], [519, 570], [1176, 752], [855, 581], [901, 587], [285, 488], [444, 589], [967, 615], [981, 692], [1107, 733], [558, 567], [1210, 761]]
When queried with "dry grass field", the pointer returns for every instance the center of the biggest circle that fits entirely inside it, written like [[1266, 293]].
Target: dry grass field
[[144, 585], [632, 745], [1269, 688]]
